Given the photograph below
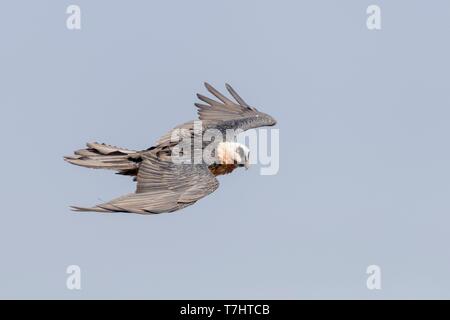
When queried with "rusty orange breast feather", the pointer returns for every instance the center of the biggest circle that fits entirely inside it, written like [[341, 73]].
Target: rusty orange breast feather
[[220, 169]]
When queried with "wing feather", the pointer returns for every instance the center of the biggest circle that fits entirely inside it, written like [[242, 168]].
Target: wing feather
[[239, 114], [236, 96], [217, 94], [162, 186]]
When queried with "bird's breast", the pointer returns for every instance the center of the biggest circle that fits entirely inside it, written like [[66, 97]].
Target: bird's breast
[[220, 169]]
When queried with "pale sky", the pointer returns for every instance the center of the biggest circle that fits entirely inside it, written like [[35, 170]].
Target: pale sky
[[364, 175]]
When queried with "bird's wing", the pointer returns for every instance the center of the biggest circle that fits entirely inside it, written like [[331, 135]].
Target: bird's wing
[[163, 186], [185, 130], [222, 114], [238, 115]]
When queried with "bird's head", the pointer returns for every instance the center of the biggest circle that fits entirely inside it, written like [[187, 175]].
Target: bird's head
[[233, 153], [242, 156]]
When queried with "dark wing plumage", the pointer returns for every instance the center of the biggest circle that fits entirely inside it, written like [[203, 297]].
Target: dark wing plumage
[[162, 186], [223, 114], [233, 115]]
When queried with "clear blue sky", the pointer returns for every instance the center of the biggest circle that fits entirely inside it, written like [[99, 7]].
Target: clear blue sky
[[364, 159]]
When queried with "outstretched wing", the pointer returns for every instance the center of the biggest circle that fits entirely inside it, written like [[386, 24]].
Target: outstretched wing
[[223, 114], [237, 115], [162, 186]]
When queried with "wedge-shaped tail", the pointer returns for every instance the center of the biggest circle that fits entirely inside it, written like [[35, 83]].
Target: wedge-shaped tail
[[103, 156]]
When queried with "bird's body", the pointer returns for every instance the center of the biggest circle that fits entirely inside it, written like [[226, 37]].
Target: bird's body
[[163, 184]]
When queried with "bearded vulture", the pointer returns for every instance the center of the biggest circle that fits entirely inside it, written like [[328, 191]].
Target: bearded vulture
[[164, 185]]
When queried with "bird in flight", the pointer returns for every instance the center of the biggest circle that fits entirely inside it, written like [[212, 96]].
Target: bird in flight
[[165, 185]]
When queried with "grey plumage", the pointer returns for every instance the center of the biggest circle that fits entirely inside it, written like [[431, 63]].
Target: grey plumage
[[103, 156], [163, 186], [228, 114]]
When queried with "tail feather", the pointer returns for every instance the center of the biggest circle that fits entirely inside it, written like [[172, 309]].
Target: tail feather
[[83, 209], [103, 156]]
